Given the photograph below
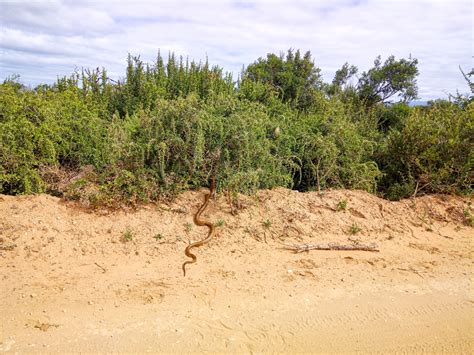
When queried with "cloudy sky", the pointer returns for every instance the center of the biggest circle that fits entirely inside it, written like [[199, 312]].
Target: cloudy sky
[[40, 39]]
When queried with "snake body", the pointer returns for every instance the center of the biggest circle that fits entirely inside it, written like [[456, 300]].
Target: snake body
[[201, 222]]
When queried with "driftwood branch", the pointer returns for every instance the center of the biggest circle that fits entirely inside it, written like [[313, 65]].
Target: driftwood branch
[[330, 246], [7, 246]]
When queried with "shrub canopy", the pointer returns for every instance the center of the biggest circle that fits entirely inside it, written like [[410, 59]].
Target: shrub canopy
[[169, 127]]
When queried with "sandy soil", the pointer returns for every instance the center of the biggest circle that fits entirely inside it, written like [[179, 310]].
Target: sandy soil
[[70, 281]]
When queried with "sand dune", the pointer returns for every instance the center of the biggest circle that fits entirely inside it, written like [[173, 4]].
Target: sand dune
[[71, 281]]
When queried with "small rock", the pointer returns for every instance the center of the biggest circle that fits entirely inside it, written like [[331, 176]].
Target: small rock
[[33, 295], [90, 303]]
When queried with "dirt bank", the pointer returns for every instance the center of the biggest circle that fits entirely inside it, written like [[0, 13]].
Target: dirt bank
[[75, 281]]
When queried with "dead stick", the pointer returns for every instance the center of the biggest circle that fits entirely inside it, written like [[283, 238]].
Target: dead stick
[[103, 269], [412, 270], [7, 246], [330, 246]]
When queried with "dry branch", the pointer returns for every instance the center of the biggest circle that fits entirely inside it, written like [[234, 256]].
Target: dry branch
[[330, 246], [104, 270], [7, 246]]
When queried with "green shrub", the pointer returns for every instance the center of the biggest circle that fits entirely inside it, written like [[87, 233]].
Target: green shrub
[[333, 150], [434, 150], [167, 128]]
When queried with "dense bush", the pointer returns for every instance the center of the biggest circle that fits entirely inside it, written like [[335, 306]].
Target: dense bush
[[41, 129], [170, 127], [434, 150]]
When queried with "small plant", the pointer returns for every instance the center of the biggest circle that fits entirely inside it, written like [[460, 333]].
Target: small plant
[[158, 236], [468, 216], [220, 223], [342, 205], [189, 227], [267, 223], [127, 236], [354, 229]]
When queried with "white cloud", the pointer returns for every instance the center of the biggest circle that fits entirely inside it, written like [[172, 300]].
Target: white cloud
[[40, 40]]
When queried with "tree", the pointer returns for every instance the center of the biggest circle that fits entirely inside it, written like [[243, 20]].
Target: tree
[[344, 74], [293, 77], [468, 79], [341, 85], [460, 99], [383, 81]]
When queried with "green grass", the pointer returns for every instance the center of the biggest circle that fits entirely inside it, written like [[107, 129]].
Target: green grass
[[189, 227], [127, 236], [267, 224], [468, 216], [220, 223], [342, 205], [354, 229]]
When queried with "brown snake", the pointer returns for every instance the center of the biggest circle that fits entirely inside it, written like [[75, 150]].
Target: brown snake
[[201, 222]]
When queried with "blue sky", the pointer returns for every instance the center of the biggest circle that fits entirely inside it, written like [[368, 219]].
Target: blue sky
[[40, 39]]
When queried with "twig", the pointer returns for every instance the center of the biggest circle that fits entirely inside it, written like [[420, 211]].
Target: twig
[[411, 270], [233, 211], [104, 270], [416, 189], [330, 246], [7, 246]]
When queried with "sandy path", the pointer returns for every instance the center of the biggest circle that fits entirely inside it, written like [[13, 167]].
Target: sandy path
[[244, 294]]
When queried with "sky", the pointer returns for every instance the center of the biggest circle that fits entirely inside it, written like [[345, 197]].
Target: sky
[[43, 39]]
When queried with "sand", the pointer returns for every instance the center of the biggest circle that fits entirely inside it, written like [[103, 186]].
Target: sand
[[74, 280]]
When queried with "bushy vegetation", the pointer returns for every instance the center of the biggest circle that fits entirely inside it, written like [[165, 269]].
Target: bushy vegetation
[[169, 127]]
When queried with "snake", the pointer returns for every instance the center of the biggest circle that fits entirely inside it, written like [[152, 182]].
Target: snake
[[201, 223]]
